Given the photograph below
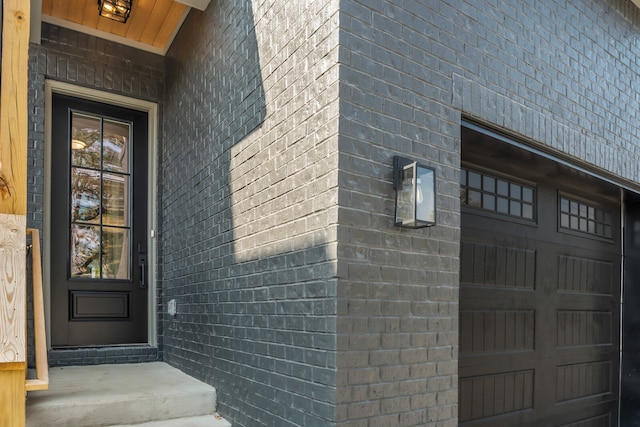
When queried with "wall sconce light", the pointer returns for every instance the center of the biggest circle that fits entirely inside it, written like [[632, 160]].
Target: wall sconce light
[[415, 186], [118, 10]]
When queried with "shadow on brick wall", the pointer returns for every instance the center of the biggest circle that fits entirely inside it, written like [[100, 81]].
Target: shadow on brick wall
[[257, 329]]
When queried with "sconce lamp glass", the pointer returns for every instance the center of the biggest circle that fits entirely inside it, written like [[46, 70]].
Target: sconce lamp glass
[[118, 10], [415, 186]]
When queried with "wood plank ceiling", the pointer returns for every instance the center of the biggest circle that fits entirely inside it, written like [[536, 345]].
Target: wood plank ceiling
[[152, 23]]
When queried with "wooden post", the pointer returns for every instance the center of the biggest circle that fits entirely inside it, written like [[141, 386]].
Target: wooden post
[[14, 108], [13, 210], [12, 399]]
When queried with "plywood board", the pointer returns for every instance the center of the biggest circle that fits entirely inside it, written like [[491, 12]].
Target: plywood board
[[12, 288]]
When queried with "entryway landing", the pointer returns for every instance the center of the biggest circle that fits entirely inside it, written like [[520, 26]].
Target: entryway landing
[[146, 394]]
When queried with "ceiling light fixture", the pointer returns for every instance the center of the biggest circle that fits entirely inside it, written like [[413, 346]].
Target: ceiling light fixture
[[118, 10], [77, 144]]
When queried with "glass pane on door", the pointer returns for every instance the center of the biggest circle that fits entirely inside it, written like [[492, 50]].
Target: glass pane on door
[[115, 197], [115, 256], [100, 179], [85, 192], [115, 149], [85, 141], [85, 251]]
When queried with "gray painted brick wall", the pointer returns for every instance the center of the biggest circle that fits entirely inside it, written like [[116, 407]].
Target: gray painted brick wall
[[562, 75], [250, 208], [83, 60], [297, 298], [398, 294]]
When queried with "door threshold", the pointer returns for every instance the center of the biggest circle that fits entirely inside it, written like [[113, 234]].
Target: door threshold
[[81, 347], [102, 355]]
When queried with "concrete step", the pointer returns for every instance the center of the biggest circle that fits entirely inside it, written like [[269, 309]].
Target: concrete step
[[111, 395], [201, 421]]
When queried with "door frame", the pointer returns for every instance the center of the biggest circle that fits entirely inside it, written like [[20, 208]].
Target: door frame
[[151, 108]]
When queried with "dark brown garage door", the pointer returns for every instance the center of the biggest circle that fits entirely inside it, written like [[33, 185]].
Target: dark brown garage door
[[540, 291]]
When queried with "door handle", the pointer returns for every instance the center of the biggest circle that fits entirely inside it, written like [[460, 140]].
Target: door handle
[[142, 263]]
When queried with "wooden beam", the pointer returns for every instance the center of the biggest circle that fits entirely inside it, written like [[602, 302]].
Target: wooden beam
[[13, 209], [13, 107], [13, 179], [12, 394]]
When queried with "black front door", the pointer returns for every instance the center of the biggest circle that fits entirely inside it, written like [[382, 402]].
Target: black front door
[[98, 224]]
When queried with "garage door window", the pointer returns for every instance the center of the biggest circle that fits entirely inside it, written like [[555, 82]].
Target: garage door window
[[580, 216], [487, 192]]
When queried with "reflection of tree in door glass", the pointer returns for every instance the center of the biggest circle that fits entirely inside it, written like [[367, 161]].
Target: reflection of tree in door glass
[[85, 141], [100, 181], [85, 195], [85, 251], [115, 149]]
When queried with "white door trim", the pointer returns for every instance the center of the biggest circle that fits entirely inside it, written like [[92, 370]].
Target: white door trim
[[151, 108]]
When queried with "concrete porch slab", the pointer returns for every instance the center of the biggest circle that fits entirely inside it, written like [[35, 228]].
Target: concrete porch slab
[[107, 395], [201, 421]]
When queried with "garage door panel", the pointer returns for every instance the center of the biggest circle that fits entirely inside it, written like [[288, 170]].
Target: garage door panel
[[580, 328], [496, 331], [497, 394], [495, 265], [584, 275], [583, 380], [578, 387]]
